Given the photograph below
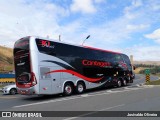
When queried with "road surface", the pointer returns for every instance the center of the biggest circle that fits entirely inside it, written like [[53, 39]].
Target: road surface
[[134, 97]]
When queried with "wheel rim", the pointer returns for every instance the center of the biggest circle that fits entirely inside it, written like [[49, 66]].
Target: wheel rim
[[68, 89], [119, 83], [129, 78], [13, 92], [80, 88], [124, 82]]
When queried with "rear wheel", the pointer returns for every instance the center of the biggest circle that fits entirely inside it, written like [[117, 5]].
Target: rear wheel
[[124, 82], [13, 91], [119, 83], [80, 87], [68, 89]]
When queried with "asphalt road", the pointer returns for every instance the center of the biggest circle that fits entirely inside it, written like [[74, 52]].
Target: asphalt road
[[134, 97]]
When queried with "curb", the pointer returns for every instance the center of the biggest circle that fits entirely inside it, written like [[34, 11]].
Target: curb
[[143, 84], [152, 85]]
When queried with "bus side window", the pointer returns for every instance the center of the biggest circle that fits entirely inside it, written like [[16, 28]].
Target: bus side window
[[43, 72]]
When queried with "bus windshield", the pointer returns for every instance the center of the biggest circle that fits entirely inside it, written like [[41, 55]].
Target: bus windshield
[[22, 61]]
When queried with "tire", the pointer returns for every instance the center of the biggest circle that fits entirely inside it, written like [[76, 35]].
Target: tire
[[124, 82], [13, 91], [130, 79], [68, 89], [119, 83], [80, 87]]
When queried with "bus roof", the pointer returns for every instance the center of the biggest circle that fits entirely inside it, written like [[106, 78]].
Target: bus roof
[[88, 47], [101, 49]]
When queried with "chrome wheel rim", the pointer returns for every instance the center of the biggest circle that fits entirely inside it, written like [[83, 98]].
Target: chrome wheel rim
[[68, 89], [13, 92], [80, 88], [124, 82], [119, 83]]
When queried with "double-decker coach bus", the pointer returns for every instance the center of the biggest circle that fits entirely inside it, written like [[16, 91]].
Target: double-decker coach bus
[[43, 66]]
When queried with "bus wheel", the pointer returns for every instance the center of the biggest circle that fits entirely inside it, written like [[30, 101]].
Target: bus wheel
[[124, 82], [80, 87], [68, 89], [119, 83]]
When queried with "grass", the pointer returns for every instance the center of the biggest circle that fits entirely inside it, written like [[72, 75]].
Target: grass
[[156, 82], [137, 70], [8, 52], [6, 68], [158, 74], [6, 59]]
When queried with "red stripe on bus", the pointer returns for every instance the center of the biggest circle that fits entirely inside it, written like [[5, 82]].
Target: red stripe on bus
[[77, 74]]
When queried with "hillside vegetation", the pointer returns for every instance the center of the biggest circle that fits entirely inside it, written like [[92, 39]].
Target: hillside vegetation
[[6, 59]]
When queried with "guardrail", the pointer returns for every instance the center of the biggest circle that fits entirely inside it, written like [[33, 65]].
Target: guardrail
[[7, 79], [7, 75]]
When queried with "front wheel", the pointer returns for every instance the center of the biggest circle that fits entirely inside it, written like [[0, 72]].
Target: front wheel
[[80, 88], [13, 91], [68, 89]]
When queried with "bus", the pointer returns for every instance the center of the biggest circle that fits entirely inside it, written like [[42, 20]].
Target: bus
[[45, 67]]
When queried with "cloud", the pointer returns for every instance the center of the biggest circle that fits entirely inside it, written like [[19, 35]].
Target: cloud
[[155, 35], [137, 3], [115, 32], [84, 6], [139, 27], [144, 53], [119, 30], [36, 18], [154, 5], [113, 28], [99, 1]]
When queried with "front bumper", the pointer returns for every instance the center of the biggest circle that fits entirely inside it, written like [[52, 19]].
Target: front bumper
[[5, 91]]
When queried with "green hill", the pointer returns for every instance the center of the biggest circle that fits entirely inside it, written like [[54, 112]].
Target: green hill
[[6, 59]]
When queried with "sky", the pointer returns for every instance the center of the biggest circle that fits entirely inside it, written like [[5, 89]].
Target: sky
[[128, 26]]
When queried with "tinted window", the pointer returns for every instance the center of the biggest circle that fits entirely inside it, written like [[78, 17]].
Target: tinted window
[[22, 61], [127, 61]]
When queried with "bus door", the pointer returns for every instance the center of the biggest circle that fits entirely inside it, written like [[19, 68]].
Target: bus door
[[56, 80]]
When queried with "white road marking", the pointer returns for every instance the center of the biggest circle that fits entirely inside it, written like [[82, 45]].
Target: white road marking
[[84, 95], [82, 115], [149, 86], [50, 101], [114, 91], [81, 96], [130, 89], [62, 99]]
